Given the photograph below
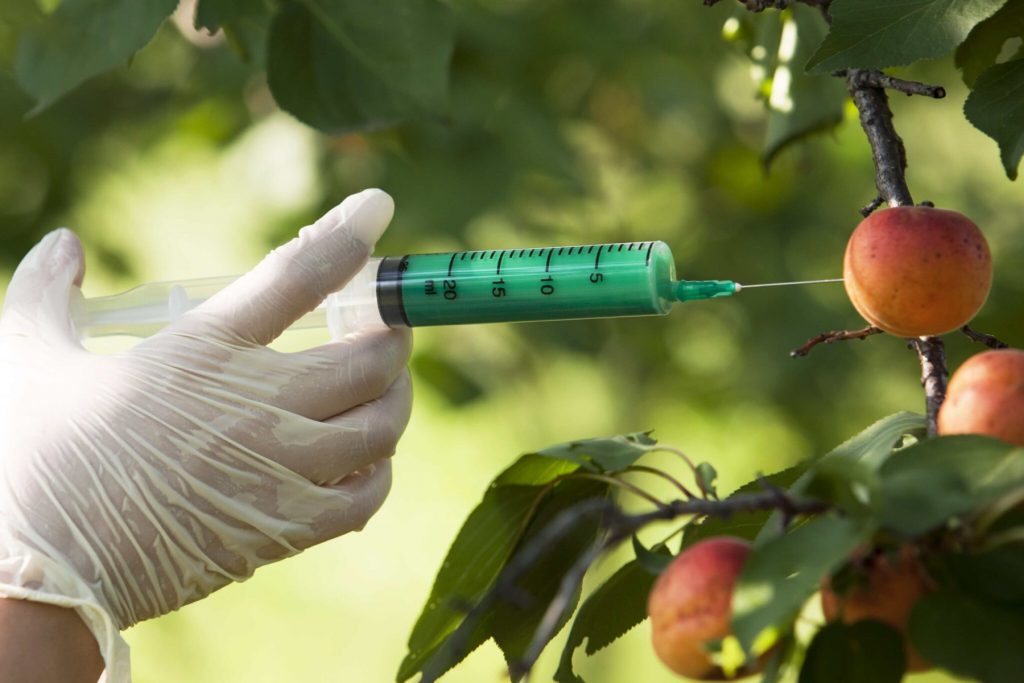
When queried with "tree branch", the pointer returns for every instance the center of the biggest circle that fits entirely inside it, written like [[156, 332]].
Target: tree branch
[[887, 149], [616, 526], [833, 337], [982, 338], [877, 79], [762, 5], [931, 352]]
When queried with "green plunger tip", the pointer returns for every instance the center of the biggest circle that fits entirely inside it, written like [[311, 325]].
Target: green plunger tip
[[694, 290]]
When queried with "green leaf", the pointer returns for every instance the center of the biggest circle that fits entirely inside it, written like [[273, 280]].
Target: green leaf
[[874, 445], [342, 65], [653, 560], [996, 108], [864, 652], [969, 637], [995, 575], [81, 39], [16, 18], [483, 545], [706, 475], [780, 575], [873, 34], [926, 484], [612, 610], [245, 24], [606, 454], [870, 448], [798, 104], [848, 484], [513, 626], [984, 44]]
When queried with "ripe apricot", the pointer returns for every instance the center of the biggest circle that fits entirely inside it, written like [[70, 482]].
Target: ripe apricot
[[885, 591], [986, 396], [691, 605], [917, 271]]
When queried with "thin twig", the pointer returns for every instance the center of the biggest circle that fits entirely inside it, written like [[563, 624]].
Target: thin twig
[[833, 337], [932, 354], [872, 205], [982, 338], [877, 79]]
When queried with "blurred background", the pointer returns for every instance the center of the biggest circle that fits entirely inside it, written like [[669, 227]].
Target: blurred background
[[570, 122]]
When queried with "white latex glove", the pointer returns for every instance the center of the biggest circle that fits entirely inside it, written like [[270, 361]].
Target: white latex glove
[[136, 483]]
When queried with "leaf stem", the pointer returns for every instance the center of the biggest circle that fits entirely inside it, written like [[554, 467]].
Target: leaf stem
[[625, 485], [664, 475]]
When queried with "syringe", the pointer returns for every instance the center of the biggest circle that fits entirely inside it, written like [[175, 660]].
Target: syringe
[[451, 288]]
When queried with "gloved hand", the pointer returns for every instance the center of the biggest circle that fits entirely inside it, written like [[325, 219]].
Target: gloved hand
[[136, 483]]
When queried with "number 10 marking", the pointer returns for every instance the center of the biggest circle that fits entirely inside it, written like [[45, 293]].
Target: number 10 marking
[[547, 287]]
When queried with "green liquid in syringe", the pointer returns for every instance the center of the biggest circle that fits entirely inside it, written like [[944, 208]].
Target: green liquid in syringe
[[550, 283]]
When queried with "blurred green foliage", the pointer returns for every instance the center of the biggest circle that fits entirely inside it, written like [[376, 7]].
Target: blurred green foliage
[[569, 121]]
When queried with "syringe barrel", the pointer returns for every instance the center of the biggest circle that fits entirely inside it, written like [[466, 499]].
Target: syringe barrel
[[549, 283]]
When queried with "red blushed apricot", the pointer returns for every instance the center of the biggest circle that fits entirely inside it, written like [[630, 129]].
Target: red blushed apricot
[[691, 605], [887, 592], [917, 271], [986, 396]]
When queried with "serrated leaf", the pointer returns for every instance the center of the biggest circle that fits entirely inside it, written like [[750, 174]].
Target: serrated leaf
[[611, 611], [606, 454], [969, 637], [926, 484], [81, 39], [798, 104], [864, 652], [982, 47], [874, 34], [781, 574], [341, 65], [996, 108], [245, 24], [481, 548]]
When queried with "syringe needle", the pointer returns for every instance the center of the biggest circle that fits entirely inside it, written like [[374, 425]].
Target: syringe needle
[[787, 284]]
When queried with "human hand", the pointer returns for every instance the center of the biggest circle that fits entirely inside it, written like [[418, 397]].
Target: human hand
[[133, 484]]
